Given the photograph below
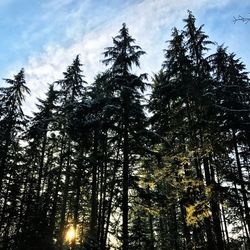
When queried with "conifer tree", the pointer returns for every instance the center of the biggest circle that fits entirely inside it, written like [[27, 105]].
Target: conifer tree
[[122, 56], [91, 169], [12, 125], [13, 97]]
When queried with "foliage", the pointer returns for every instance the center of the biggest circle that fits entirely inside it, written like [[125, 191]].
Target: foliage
[[124, 172]]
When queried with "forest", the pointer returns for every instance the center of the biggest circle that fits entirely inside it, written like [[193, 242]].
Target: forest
[[130, 161]]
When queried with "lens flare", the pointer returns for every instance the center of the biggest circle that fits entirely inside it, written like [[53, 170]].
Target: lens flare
[[70, 234]]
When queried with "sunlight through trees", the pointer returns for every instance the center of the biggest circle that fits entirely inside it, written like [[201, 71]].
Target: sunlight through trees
[[128, 161]]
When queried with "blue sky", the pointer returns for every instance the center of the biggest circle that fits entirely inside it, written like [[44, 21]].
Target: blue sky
[[44, 36]]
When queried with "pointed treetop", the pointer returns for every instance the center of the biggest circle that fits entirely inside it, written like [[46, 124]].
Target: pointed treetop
[[18, 87], [123, 55], [72, 84], [197, 40]]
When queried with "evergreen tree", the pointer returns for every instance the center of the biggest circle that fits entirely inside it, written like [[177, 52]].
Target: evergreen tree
[[92, 169], [12, 125], [122, 56]]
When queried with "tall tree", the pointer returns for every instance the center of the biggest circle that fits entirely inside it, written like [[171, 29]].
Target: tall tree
[[71, 92], [122, 56], [13, 97]]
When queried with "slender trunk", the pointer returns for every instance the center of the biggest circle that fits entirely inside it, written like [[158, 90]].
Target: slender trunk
[[40, 172], [4, 155], [48, 181], [112, 188], [4, 206], [78, 192], [20, 220], [243, 190], [215, 208], [103, 188], [151, 228], [109, 210], [150, 219], [163, 241], [125, 177], [225, 224], [210, 239], [186, 230], [104, 234], [172, 226], [65, 196], [57, 187], [241, 211], [198, 168], [101, 202], [94, 192]]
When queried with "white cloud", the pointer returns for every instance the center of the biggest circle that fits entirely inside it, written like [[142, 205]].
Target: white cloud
[[149, 21], [57, 4]]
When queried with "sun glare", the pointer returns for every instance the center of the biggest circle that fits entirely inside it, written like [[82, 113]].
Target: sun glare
[[70, 234]]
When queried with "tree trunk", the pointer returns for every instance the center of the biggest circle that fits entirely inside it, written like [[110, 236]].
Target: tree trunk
[[215, 213], [40, 172], [65, 196], [5, 152], [125, 178], [215, 208], [112, 187], [243, 190], [103, 190], [94, 193], [57, 187], [78, 192]]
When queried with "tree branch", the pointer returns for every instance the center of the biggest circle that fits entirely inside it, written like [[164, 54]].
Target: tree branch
[[242, 19]]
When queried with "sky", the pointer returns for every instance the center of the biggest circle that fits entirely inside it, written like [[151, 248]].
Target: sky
[[44, 36]]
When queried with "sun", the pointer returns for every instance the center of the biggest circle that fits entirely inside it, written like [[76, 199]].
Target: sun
[[70, 234]]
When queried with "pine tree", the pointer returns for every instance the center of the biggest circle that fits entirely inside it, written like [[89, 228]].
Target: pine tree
[[122, 56], [231, 94], [12, 125], [13, 97], [71, 92], [34, 223]]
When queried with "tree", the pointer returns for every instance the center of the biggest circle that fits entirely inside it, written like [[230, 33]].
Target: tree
[[71, 93], [34, 228], [122, 56], [13, 97], [12, 122], [99, 167]]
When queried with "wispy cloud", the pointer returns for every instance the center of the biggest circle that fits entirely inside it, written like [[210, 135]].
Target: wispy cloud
[[56, 4], [149, 21]]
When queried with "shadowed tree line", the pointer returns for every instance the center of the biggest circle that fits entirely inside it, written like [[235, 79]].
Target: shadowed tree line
[[102, 166]]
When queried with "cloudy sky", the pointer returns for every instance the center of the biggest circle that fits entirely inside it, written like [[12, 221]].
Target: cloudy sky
[[44, 36]]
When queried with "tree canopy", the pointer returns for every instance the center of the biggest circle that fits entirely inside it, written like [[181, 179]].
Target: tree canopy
[[101, 166]]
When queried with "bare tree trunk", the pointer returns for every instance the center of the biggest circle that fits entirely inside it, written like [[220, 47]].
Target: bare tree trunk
[[5, 152], [215, 208], [103, 190], [125, 177], [78, 192], [112, 188], [40, 172], [57, 187], [243, 189], [65, 196], [94, 192]]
